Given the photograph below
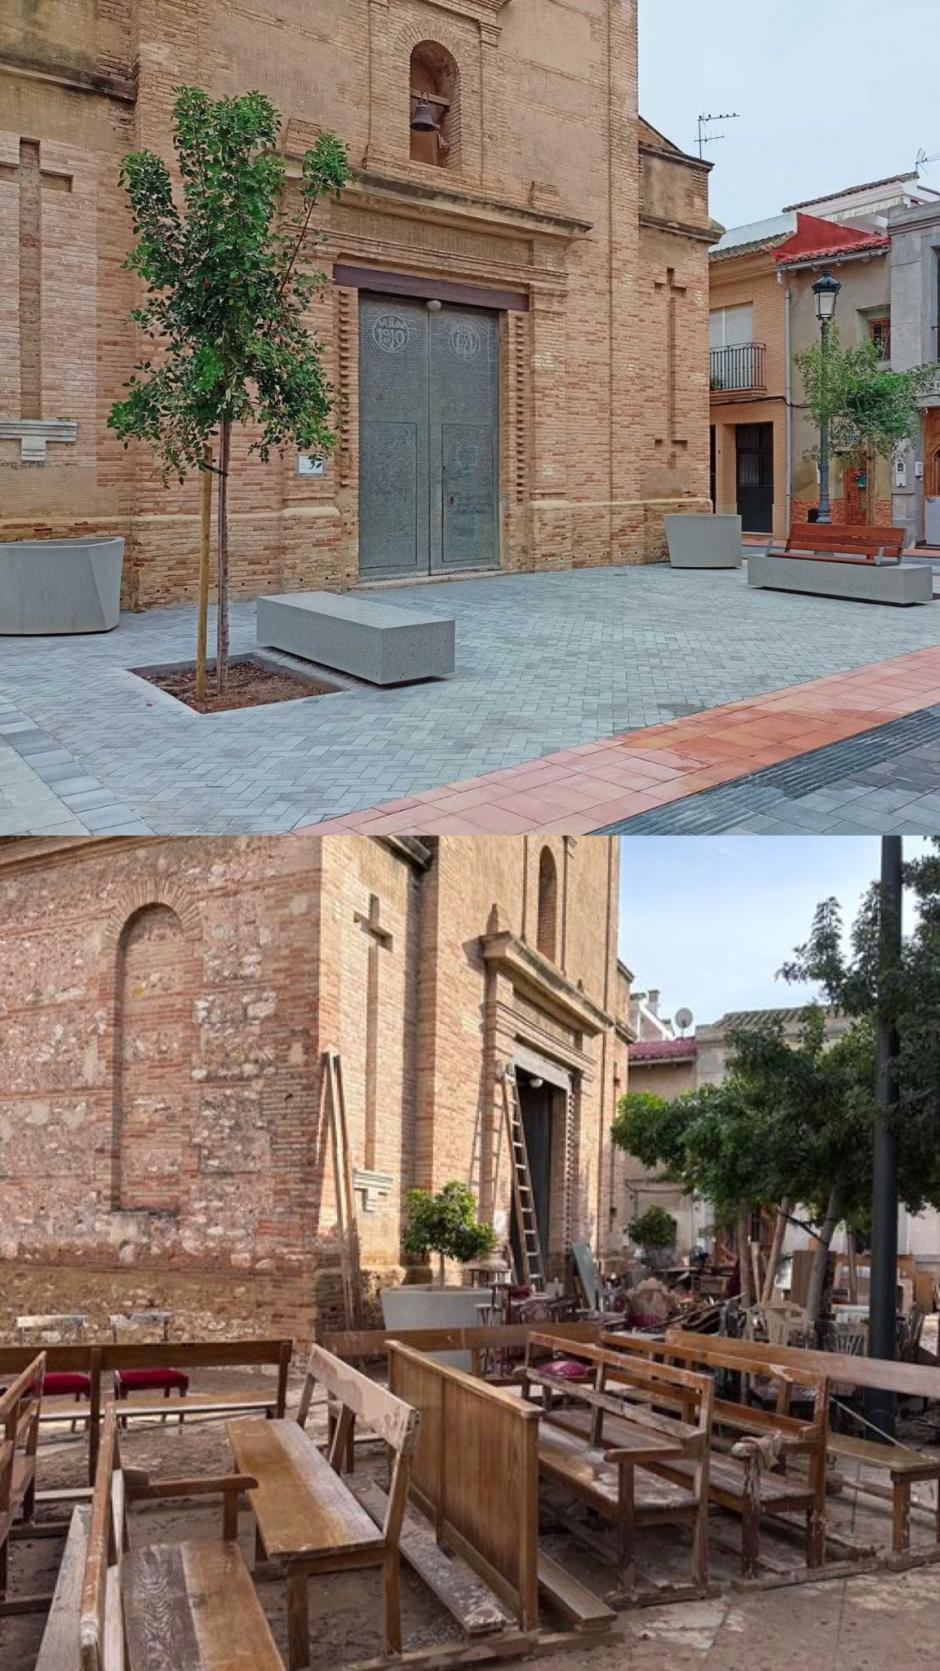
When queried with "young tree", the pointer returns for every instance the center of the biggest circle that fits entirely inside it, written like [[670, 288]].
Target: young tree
[[871, 410], [446, 1224], [225, 299]]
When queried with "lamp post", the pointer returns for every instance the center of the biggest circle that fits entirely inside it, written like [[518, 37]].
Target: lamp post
[[882, 1331], [826, 291]]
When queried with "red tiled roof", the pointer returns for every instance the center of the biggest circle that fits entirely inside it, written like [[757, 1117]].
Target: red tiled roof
[[815, 240], [663, 1050]]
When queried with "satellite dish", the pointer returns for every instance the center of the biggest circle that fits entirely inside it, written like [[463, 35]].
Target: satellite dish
[[684, 1020]]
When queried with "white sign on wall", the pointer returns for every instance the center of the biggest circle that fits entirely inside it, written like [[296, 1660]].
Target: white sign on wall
[[307, 466]]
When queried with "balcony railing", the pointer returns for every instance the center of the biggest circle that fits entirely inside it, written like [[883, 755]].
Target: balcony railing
[[741, 367]]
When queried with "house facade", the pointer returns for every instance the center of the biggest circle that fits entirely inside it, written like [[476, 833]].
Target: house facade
[[516, 309]]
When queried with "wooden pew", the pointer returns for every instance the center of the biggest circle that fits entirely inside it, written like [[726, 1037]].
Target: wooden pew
[[653, 1414], [753, 1481], [100, 1361], [307, 1518], [20, 1406], [164, 1606], [846, 542]]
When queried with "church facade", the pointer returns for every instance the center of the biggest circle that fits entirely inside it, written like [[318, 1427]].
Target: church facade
[[515, 319], [165, 1010]]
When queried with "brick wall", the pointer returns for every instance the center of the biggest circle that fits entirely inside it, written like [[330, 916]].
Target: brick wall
[[546, 196]]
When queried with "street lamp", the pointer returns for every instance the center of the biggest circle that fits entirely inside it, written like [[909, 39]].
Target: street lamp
[[826, 291]]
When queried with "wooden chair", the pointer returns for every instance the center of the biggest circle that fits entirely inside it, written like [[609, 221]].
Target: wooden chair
[[165, 1606], [306, 1517], [20, 1407]]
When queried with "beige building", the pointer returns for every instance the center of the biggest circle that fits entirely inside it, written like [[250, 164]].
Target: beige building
[[516, 313]]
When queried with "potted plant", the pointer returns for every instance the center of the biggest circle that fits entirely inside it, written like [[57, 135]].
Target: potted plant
[[445, 1224], [654, 1233]]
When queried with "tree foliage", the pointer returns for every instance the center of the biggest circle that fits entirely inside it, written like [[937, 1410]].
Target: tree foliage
[[653, 1229], [869, 408], [446, 1224], [225, 303]]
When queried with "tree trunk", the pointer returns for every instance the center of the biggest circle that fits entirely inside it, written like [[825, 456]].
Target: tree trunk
[[818, 1274], [870, 504], [776, 1247], [202, 627], [225, 445]]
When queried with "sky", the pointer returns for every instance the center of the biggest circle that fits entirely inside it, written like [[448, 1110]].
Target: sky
[[831, 93], [709, 920]]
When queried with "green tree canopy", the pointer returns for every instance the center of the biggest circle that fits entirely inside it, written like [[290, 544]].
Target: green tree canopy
[[869, 407], [226, 302], [446, 1224]]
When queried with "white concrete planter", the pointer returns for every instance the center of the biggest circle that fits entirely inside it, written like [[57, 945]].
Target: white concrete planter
[[704, 542], [60, 586], [420, 1306]]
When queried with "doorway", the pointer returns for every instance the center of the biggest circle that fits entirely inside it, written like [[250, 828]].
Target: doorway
[[428, 438], [537, 1106], [755, 477]]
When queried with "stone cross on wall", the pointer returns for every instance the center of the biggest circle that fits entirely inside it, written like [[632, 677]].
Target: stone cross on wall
[[31, 429], [379, 940], [673, 293]]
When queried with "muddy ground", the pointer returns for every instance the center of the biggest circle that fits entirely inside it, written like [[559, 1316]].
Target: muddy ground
[[872, 1623]]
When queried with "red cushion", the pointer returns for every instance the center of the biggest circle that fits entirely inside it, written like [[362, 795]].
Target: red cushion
[[66, 1381], [566, 1369], [152, 1378]]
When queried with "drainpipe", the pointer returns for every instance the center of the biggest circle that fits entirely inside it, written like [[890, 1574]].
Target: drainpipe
[[788, 311]]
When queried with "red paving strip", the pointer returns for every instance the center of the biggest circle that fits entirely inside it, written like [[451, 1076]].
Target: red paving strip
[[580, 789]]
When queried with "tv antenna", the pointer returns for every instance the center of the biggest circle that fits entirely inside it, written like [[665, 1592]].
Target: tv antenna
[[706, 121], [923, 161]]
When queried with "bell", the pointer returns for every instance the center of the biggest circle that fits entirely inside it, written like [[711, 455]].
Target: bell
[[423, 120]]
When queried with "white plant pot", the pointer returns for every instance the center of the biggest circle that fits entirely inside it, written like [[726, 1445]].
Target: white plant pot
[[421, 1306]]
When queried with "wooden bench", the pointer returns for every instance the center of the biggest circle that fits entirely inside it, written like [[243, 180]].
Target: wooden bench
[[753, 1480], [904, 1468], [653, 1414], [20, 1406], [307, 1519], [845, 542], [59, 1648], [163, 1606]]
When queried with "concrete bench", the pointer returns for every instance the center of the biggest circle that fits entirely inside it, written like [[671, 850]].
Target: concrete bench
[[60, 586], [362, 636], [895, 583]]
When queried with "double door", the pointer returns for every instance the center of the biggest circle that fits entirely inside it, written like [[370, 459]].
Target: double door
[[755, 477], [428, 438]]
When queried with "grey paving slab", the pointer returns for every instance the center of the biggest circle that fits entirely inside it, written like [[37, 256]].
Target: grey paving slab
[[544, 662], [846, 806]]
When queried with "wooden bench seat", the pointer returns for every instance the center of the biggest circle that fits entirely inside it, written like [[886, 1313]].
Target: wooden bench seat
[[306, 1517], [58, 1650], [845, 542], [194, 1605], [611, 1450], [904, 1468], [188, 1606], [754, 1481]]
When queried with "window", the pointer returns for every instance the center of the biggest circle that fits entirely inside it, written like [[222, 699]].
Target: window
[[547, 929], [434, 106], [880, 332], [732, 327]]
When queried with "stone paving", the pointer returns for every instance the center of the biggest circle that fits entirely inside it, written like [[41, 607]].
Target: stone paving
[[545, 663], [885, 782]]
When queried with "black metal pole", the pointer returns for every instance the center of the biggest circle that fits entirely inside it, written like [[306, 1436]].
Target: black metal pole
[[825, 506], [882, 1333]]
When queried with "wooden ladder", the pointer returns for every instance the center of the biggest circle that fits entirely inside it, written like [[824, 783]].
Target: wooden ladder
[[530, 1245], [347, 1217]]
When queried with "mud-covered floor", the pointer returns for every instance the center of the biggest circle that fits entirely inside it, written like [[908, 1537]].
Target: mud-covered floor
[[868, 1623]]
